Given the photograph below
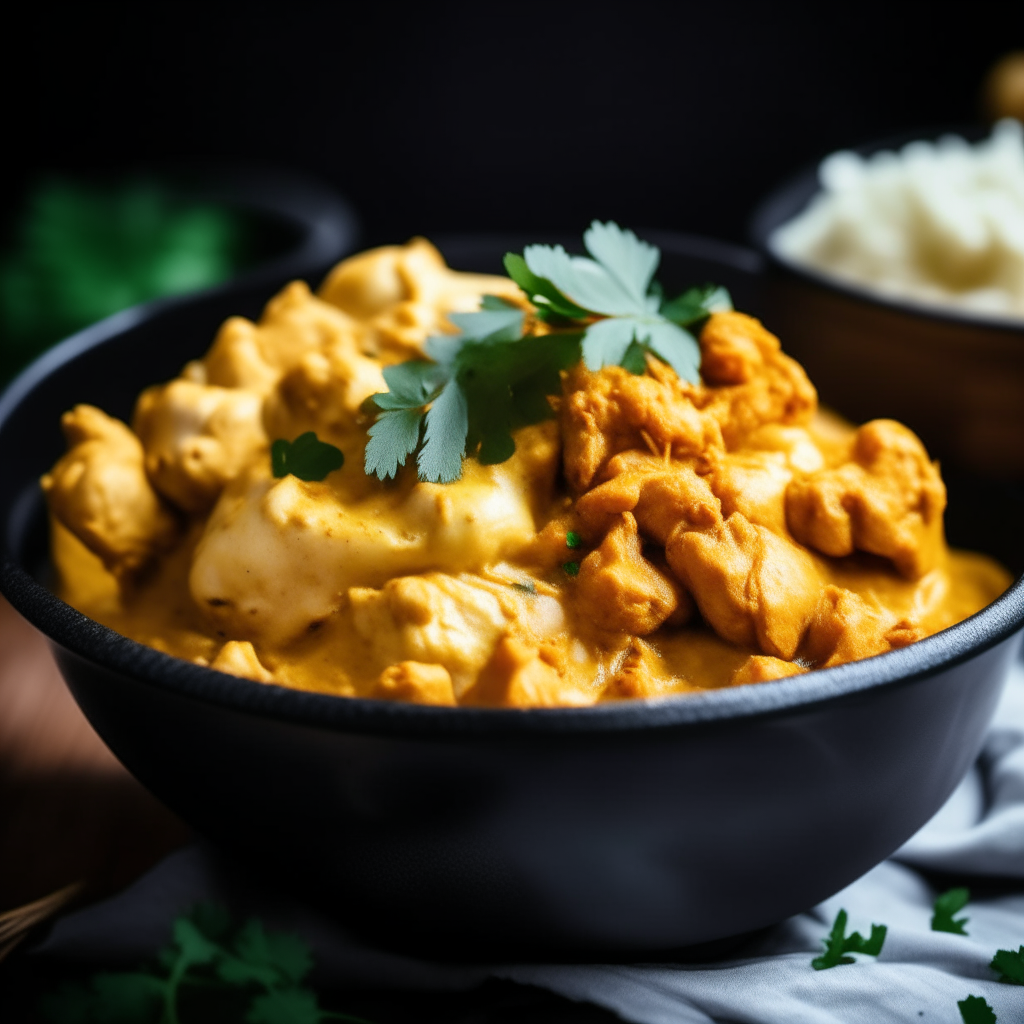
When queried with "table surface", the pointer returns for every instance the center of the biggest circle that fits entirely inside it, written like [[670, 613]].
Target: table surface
[[69, 812]]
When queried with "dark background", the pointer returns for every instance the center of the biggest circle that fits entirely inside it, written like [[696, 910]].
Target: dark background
[[468, 116]]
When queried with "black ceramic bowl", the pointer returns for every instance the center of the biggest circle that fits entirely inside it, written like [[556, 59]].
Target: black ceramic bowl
[[955, 377], [626, 829]]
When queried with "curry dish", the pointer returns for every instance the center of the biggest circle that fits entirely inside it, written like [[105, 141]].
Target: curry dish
[[654, 537]]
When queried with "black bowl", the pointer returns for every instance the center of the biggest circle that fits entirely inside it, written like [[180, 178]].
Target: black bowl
[[955, 377], [626, 829]]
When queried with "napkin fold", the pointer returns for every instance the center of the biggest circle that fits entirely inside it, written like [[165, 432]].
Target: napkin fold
[[919, 976]]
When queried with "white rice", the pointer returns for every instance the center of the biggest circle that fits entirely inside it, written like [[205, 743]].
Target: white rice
[[937, 223]]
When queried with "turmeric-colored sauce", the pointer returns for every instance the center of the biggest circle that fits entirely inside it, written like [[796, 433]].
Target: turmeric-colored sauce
[[654, 537]]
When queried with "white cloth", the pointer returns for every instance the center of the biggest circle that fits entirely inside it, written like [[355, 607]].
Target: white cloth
[[918, 978]]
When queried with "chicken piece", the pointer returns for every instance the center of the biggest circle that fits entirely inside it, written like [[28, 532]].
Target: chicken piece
[[197, 438], [613, 410], [517, 676], [641, 674], [277, 556], [752, 587], [752, 382], [294, 322], [753, 484], [322, 393], [432, 618], [760, 669], [238, 658], [888, 500], [403, 292], [846, 627], [660, 494], [99, 490], [415, 682], [621, 591]]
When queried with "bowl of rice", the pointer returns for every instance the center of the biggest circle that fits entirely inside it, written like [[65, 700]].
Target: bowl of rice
[[896, 273]]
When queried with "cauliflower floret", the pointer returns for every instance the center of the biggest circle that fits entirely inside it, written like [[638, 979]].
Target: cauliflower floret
[[99, 490], [197, 438], [888, 501]]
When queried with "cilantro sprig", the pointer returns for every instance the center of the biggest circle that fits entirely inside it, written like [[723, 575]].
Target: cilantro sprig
[[258, 971], [478, 385], [482, 383], [613, 291], [975, 1010], [838, 944], [307, 457], [948, 904], [1009, 965]]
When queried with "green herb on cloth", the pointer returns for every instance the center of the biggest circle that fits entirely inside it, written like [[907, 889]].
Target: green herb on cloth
[[975, 1010], [307, 457], [228, 974], [839, 943], [948, 904], [1010, 965]]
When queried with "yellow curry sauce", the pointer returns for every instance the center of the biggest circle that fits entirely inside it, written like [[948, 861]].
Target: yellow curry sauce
[[729, 532]]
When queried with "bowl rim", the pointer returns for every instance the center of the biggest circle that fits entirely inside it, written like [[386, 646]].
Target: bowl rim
[[794, 194], [67, 628]]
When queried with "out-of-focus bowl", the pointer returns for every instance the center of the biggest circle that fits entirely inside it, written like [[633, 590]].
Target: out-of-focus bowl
[[625, 829], [955, 378]]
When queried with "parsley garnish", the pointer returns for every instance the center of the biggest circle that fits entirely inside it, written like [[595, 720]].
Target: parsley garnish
[[263, 969], [573, 539], [488, 379], [571, 568], [838, 944], [483, 383], [1010, 965], [948, 904], [307, 457], [614, 293], [975, 1010]]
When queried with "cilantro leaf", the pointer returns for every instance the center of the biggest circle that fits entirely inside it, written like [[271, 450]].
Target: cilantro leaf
[[1010, 965], [573, 539], [571, 568], [393, 438], [675, 346], [444, 442], [629, 261], [586, 283], [606, 342], [410, 385], [541, 292], [975, 1010], [839, 943], [697, 304], [307, 457], [288, 1006], [946, 905]]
